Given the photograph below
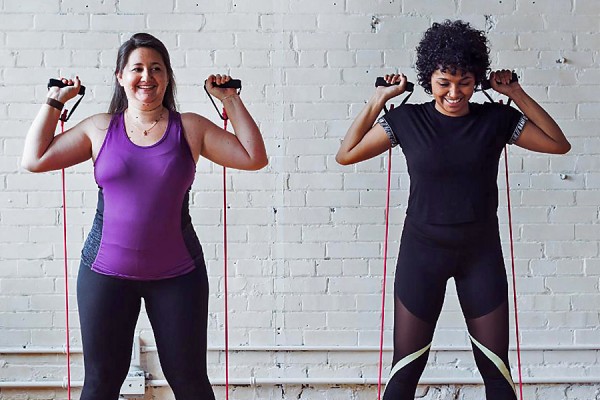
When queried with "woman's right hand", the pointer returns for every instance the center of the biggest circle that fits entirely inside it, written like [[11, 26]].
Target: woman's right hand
[[45, 151], [389, 92], [363, 139], [66, 93]]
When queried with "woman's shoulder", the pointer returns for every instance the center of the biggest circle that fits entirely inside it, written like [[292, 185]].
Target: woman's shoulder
[[95, 128], [102, 118], [408, 110], [493, 109], [411, 107], [491, 106], [191, 119], [417, 106], [191, 116], [96, 124]]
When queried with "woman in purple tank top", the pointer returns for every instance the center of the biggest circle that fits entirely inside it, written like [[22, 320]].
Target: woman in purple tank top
[[142, 243]]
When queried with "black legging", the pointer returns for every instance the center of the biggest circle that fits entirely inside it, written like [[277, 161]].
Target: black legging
[[429, 256], [177, 309]]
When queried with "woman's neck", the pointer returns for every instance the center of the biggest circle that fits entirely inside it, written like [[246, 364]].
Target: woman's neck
[[145, 114]]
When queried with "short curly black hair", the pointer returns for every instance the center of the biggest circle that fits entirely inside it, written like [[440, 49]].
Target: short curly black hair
[[452, 46]]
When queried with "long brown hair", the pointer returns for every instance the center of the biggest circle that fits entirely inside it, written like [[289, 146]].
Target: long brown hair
[[118, 102]]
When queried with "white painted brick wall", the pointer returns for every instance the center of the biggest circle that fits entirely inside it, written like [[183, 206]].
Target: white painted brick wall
[[306, 234]]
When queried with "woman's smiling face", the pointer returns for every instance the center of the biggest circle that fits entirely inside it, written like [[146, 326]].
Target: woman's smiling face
[[144, 77], [452, 92]]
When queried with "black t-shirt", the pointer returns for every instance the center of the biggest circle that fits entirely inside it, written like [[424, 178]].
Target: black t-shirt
[[453, 161]]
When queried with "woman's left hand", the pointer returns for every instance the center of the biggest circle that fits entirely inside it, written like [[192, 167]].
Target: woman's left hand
[[541, 132], [219, 93], [501, 82]]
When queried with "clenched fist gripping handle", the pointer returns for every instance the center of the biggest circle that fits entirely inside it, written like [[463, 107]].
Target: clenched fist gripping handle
[[231, 84], [58, 83], [410, 87]]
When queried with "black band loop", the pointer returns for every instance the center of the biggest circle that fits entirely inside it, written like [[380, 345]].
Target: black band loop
[[403, 103], [65, 116], [488, 96]]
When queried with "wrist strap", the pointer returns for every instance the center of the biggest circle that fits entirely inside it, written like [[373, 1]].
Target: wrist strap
[[55, 103]]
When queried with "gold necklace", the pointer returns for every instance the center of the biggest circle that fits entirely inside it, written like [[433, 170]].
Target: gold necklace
[[145, 131]]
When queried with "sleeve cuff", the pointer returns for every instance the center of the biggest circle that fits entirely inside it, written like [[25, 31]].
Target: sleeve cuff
[[388, 130], [518, 130]]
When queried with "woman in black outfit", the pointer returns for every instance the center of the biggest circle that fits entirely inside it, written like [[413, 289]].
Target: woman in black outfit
[[452, 149]]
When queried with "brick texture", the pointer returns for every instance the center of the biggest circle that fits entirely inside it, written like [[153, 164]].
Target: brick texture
[[306, 234]]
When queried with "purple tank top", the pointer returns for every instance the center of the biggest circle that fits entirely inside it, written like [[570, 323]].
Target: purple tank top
[[145, 190]]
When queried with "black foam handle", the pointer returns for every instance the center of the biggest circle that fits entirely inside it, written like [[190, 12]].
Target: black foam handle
[[61, 84], [382, 82], [486, 84], [232, 84]]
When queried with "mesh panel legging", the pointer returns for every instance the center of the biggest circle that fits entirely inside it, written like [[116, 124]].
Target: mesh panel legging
[[429, 256], [177, 309]]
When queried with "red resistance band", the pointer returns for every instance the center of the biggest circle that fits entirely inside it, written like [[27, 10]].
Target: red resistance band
[[225, 119], [64, 199], [385, 257], [514, 278], [512, 259]]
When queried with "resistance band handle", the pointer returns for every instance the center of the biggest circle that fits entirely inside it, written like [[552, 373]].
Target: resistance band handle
[[486, 84], [232, 84], [61, 84], [382, 82]]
